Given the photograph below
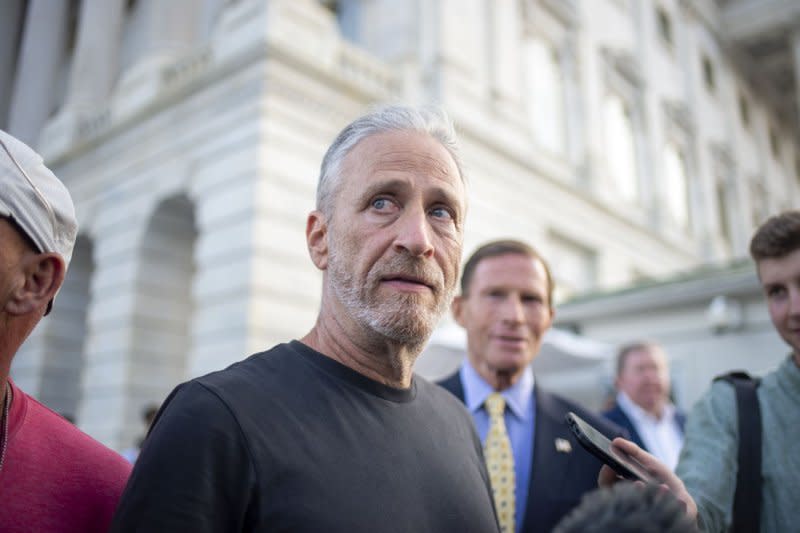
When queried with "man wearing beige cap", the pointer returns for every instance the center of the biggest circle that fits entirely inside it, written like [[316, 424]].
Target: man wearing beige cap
[[53, 477]]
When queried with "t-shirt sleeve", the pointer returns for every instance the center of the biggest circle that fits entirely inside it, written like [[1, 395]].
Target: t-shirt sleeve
[[708, 460], [195, 472]]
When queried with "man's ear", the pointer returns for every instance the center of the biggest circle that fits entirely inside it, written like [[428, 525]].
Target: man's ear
[[43, 275], [317, 239]]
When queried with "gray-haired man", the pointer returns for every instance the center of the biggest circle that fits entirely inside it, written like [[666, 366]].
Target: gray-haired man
[[334, 432], [53, 477]]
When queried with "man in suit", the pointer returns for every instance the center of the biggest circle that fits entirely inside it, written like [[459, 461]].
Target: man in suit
[[643, 406], [505, 306]]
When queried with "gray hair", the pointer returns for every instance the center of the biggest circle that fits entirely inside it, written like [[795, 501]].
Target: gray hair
[[428, 119]]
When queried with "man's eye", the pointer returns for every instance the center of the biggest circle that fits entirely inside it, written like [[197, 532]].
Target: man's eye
[[380, 203], [774, 292], [441, 212]]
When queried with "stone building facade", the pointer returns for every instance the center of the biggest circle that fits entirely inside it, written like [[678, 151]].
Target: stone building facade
[[626, 139]]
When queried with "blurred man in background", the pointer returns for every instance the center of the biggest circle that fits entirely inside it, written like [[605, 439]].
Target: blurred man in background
[[53, 477], [537, 468], [643, 406]]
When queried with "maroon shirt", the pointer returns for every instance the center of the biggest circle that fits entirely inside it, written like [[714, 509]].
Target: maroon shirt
[[55, 478]]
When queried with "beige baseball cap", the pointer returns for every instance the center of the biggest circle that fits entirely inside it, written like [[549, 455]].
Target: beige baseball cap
[[35, 199]]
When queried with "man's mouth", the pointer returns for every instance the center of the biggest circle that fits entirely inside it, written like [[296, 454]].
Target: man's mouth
[[406, 282], [509, 339]]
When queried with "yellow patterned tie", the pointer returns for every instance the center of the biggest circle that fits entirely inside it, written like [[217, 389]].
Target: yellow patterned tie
[[500, 462]]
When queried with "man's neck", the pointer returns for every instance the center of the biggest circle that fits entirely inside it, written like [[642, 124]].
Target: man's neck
[[373, 356], [499, 380], [656, 411]]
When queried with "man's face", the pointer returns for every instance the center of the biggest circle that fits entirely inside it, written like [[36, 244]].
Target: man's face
[[780, 278], [505, 313], [395, 235], [645, 378]]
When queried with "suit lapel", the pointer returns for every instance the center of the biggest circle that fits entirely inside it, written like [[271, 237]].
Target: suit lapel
[[549, 465], [453, 384], [627, 423], [680, 418]]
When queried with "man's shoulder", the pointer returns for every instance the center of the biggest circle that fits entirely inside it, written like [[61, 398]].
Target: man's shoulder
[[614, 410], [616, 414], [452, 383], [253, 372], [439, 392], [78, 449], [255, 380]]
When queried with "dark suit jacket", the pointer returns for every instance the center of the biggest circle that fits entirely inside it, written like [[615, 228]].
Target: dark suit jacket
[[558, 479], [618, 416]]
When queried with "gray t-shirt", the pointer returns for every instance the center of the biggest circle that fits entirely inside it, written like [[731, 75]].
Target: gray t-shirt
[[291, 440]]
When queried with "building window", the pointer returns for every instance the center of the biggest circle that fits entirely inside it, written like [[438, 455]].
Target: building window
[[744, 110], [723, 212], [664, 26], [676, 186], [774, 143], [708, 74], [621, 148], [545, 85], [347, 13], [758, 202], [574, 267], [797, 170]]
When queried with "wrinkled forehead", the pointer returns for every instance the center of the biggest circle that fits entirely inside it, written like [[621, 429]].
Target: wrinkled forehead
[[647, 355], [393, 154]]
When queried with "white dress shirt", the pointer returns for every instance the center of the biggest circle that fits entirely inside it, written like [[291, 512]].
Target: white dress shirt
[[662, 437]]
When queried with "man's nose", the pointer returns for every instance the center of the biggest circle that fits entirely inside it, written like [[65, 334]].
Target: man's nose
[[512, 311], [414, 234]]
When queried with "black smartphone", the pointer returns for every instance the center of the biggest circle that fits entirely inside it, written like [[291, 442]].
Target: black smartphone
[[597, 444]]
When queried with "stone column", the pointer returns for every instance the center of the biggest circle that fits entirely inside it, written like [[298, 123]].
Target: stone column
[[505, 54], [11, 14], [41, 53], [95, 62], [170, 29], [94, 70], [167, 31]]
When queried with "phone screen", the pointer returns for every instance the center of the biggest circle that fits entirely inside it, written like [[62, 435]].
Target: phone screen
[[599, 445]]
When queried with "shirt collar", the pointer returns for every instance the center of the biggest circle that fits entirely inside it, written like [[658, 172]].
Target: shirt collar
[[640, 414], [476, 390]]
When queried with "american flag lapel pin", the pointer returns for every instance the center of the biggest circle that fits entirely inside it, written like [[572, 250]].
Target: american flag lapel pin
[[563, 445]]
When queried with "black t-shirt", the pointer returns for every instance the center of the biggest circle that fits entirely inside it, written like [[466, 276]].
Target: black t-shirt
[[291, 440]]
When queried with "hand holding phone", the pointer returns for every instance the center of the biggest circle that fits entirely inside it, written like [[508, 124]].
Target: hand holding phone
[[602, 448]]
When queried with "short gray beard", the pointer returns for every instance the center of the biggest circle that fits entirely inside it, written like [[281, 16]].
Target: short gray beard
[[404, 319]]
